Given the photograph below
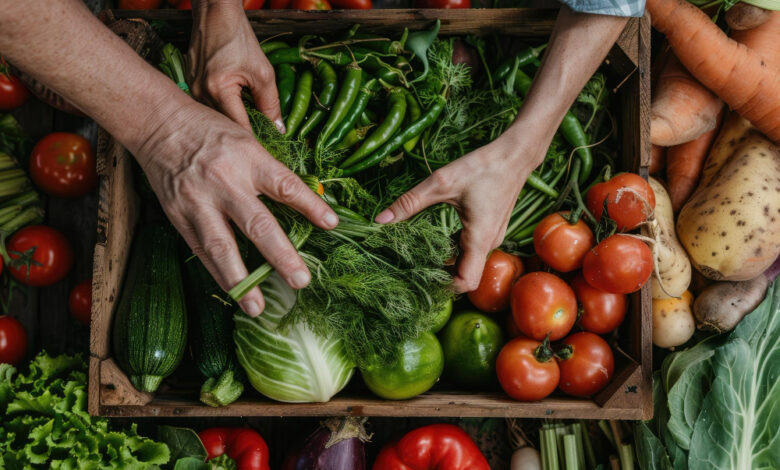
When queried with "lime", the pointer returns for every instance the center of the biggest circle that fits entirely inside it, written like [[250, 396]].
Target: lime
[[471, 343], [444, 311], [416, 367]]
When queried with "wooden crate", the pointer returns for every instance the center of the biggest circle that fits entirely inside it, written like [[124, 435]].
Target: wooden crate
[[629, 395]]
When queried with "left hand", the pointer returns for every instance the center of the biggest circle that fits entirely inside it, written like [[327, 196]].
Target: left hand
[[483, 187], [224, 57]]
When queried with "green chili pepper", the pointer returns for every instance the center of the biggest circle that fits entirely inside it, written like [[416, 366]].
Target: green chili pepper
[[414, 129], [350, 87], [570, 127], [300, 102], [353, 137], [383, 71], [383, 47], [393, 120], [285, 84], [271, 46], [364, 95], [413, 114], [367, 117], [340, 56], [327, 77], [288, 55], [525, 57]]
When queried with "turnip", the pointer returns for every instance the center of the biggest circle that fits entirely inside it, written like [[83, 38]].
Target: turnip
[[671, 261], [524, 457], [730, 225], [722, 305], [673, 322]]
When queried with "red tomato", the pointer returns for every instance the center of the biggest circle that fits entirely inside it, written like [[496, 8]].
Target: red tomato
[[63, 165], [13, 341], [511, 329], [589, 367], [620, 264], [560, 244], [279, 4], [13, 93], [310, 5], [495, 286], [352, 4], [248, 4], [139, 4], [524, 372], [602, 311], [80, 302], [52, 256], [631, 200], [543, 304], [443, 3]]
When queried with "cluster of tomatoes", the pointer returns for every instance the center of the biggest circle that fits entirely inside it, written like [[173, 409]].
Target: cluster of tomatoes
[[61, 165], [584, 284], [290, 4]]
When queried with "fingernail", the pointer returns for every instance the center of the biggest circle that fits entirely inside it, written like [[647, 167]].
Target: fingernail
[[251, 308], [280, 126], [384, 217], [300, 279], [331, 220]]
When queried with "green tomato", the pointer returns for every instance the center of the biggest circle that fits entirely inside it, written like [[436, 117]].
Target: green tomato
[[416, 367], [443, 313], [471, 342]]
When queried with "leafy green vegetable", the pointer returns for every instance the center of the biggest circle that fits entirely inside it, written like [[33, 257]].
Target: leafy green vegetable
[[292, 363], [419, 42], [182, 442], [717, 402], [44, 422]]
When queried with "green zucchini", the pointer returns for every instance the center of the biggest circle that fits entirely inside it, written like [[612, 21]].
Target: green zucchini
[[211, 320], [150, 325]]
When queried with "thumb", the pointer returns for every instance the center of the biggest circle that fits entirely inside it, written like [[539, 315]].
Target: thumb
[[425, 194]]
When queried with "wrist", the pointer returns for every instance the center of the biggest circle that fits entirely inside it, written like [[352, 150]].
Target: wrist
[[528, 139]]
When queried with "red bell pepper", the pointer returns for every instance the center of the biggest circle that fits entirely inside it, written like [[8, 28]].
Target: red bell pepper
[[434, 447], [245, 446]]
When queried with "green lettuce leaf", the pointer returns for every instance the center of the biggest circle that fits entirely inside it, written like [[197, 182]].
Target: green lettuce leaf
[[737, 428]]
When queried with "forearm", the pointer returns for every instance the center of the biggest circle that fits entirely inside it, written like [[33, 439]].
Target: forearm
[[61, 44], [578, 44]]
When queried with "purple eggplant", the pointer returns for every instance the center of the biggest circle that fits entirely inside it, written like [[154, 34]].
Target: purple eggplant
[[338, 444]]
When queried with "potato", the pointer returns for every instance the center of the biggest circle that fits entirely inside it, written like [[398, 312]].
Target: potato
[[671, 260], [743, 16], [722, 305], [673, 322], [730, 225], [733, 132]]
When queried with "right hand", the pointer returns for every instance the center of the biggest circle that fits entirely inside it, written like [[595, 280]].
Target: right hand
[[225, 57], [207, 171]]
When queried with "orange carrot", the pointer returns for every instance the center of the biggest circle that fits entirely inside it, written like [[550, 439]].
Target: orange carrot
[[763, 39], [737, 74], [682, 109], [683, 166], [657, 159]]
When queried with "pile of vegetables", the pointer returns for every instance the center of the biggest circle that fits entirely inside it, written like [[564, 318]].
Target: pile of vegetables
[[367, 118], [716, 402], [44, 422]]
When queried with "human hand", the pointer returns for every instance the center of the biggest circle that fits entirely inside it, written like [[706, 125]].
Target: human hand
[[483, 186], [207, 171], [224, 57]]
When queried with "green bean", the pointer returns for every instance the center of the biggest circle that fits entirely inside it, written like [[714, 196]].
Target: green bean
[[288, 55], [300, 102], [393, 120], [328, 78], [414, 111], [570, 127], [285, 84], [525, 57], [366, 92], [350, 87], [270, 46], [414, 129]]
